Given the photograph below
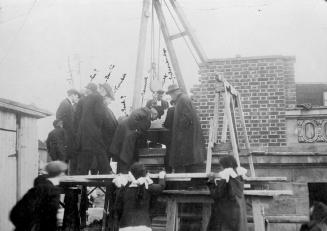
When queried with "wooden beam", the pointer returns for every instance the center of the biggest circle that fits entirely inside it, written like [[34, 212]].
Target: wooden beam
[[258, 218], [169, 177], [141, 55], [195, 42], [247, 142], [169, 44], [231, 127], [176, 36]]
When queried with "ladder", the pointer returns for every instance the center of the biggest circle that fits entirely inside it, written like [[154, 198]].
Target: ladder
[[231, 100]]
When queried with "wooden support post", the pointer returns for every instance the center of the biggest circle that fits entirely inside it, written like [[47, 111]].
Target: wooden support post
[[169, 44], [231, 126], [210, 146], [172, 214], [247, 143], [140, 55], [105, 209], [189, 31], [206, 214], [83, 206], [258, 218]]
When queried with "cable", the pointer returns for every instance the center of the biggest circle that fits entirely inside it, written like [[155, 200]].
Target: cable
[[19, 30], [180, 31]]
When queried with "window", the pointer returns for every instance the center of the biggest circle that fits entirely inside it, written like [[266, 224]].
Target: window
[[325, 98]]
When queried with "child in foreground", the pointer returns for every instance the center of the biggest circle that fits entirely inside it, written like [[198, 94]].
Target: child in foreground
[[132, 206], [228, 211]]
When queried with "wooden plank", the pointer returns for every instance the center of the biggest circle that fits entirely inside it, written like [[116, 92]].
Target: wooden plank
[[105, 210], [176, 36], [169, 45], [231, 127], [299, 219], [259, 193], [258, 218], [172, 214], [243, 125], [196, 44], [169, 177], [141, 55], [206, 213], [209, 147]]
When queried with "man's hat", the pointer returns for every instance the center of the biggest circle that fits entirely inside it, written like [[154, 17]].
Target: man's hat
[[54, 168], [92, 87], [108, 90], [56, 122], [172, 88], [73, 92]]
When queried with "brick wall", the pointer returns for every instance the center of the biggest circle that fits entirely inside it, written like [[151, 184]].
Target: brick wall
[[267, 89]]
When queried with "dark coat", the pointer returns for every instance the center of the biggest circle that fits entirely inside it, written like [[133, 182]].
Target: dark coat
[[160, 109], [187, 146], [90, 137], [56, 144], [109, 128], [228, 212], [131, 212], [129, 129], [37, 210], [65, 113]]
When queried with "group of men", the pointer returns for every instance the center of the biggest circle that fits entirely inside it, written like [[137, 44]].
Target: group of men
[[88, 135]]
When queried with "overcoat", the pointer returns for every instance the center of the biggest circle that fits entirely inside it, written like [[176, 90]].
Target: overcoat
[[92, 120], [228, 212], [65, 113], [129, 129], [37, 210], [187, 140], [109, 128], [56, 144]]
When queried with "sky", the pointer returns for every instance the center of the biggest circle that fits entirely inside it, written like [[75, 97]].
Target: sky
[[41, 40]]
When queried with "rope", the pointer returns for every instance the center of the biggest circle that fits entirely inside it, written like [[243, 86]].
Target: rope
[[180, 31]]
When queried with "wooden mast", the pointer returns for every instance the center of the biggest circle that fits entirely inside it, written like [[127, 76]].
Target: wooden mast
[[169, 44], [189, 31], [141, 55]]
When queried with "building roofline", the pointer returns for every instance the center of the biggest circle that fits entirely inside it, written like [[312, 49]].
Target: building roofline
[[308, 83], [30, 110], [239, 58]]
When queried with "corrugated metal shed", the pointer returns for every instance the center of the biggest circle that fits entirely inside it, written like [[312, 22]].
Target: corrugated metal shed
[[18, 152]]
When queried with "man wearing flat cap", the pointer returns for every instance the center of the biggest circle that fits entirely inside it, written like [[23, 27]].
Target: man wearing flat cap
[[187, 146], [65, 113], [91, 141]]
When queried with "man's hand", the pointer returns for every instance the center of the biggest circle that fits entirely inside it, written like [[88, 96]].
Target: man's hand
[[211, 176], [162, 175]]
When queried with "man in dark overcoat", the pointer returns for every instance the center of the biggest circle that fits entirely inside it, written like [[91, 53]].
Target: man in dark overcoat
[[123, 147], [187, 146], [65, 113], [90, 136], [56, 142]]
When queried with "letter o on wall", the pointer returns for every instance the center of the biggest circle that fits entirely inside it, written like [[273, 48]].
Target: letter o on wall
[[309, 130]]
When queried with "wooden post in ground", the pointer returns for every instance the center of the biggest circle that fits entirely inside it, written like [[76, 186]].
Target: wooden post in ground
[[169, 44], [141, 55], [172, 214], [258, 218]]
